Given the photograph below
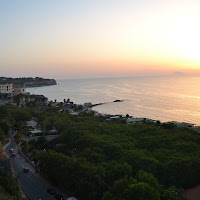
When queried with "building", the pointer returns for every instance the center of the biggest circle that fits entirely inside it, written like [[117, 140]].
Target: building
[[183, 124], [41, 99], [35, 132], [6, 88], [32, 123], [67, 106], [17, 91], [135, 120], [88, 104]]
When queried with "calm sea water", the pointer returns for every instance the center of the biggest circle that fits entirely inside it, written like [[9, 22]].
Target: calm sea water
[[166, 98]]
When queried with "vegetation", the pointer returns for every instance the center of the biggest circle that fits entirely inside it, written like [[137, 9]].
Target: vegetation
[[93, 158], [9, 188]]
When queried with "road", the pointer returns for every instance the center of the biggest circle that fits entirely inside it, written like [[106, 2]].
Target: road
[[33, 185]]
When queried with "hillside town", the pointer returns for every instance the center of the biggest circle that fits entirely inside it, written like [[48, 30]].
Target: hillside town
[[10, 94]]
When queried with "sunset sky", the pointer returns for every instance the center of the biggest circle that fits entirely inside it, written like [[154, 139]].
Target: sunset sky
[[98, 38]]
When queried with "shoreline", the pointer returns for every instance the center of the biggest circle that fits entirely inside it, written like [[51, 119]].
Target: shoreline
[[139, 104], [141, 117]]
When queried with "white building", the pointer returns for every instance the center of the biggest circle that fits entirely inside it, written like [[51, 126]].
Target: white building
[[135, 120], [6, 88], [31, 123]]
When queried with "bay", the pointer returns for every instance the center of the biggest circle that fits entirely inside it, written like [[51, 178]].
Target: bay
[[165, 98]]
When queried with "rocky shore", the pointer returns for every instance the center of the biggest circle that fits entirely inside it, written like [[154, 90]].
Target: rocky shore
[[98, 104]]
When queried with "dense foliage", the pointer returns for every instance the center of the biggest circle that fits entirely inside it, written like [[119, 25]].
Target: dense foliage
[[10, 186], [109, 153], [11, 117], [93, 158]]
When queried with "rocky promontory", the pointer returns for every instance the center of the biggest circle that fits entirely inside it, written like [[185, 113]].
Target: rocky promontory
[[28, 82]]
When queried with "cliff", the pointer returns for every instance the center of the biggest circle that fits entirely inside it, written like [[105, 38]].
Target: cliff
[[28, 82]]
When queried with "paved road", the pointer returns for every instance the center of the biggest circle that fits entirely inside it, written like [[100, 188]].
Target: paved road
[[33, 186]]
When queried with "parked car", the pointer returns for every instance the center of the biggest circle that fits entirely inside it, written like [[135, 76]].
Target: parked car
[[59, 197], [51, 191], [26, 169]]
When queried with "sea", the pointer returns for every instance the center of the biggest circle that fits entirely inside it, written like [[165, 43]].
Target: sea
[[164, 98]]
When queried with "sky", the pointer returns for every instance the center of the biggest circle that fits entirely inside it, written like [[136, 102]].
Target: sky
[[98, 38]]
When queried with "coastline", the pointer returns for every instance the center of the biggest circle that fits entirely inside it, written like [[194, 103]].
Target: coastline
[[165, 102], [28, 82]]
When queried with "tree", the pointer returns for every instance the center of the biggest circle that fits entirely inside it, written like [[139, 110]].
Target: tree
[[12, 122], [10, 185], [170, 194], [20, 114], [145, 177], [43, 127], [5, 126], [25, 146], [41, 141], [18, 138], [121, 185], [107, 196], [158, 123], [168, 125], [35, 157], [141, 191], [25, 132], [2, 136], [20, 125], [69, 123]]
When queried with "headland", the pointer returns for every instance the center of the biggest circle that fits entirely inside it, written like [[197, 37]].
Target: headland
[[28, 82]]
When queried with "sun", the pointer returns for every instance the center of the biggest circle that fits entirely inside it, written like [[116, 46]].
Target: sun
[[183, 38]]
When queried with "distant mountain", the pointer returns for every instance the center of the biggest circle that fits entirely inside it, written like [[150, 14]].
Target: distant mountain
[[178, 73], [28, 82]]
